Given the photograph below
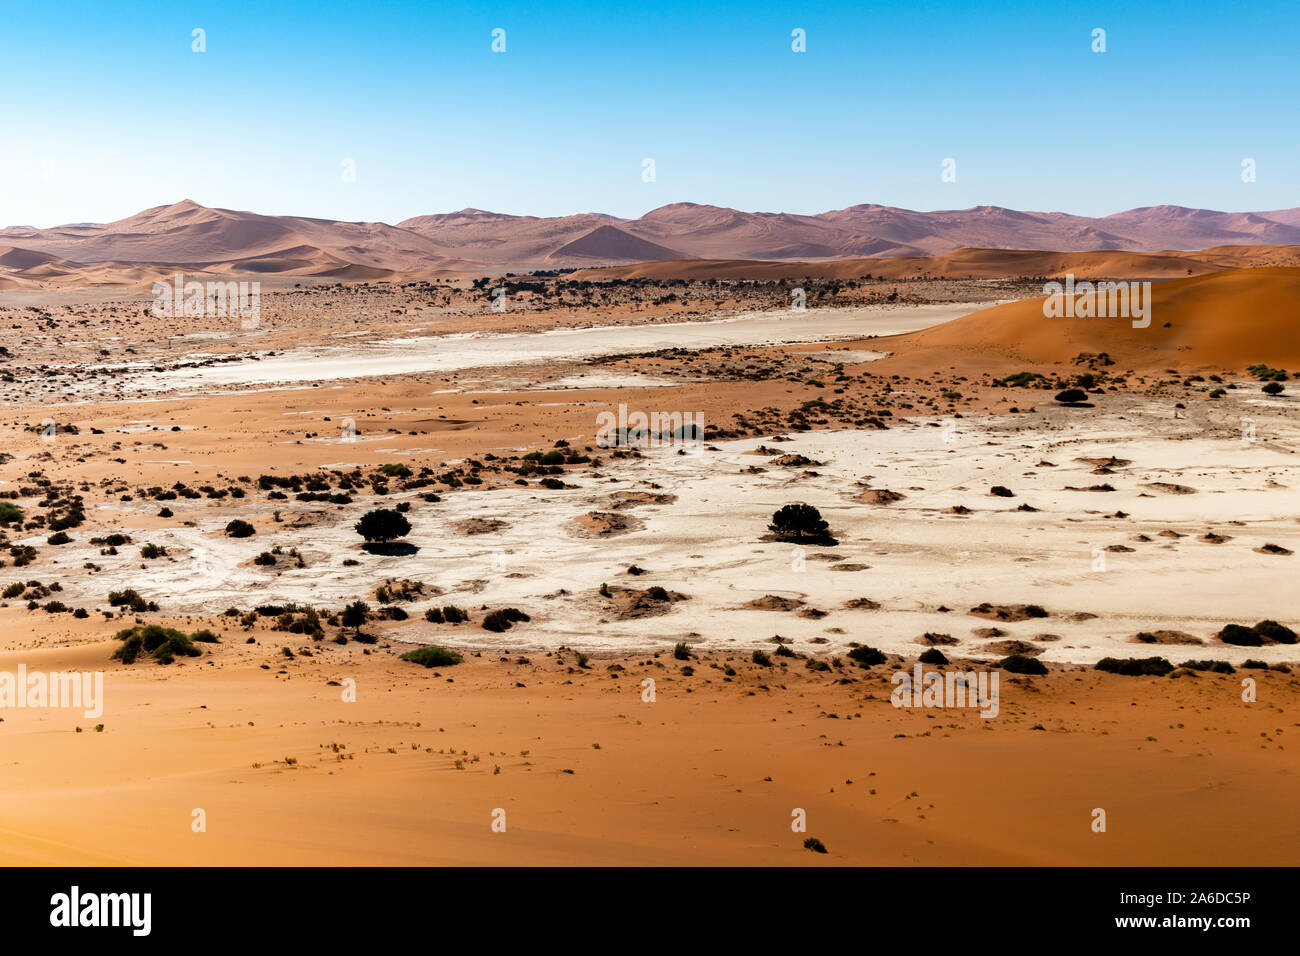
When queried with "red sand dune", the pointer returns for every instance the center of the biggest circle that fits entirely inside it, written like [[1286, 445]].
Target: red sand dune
[[1225, 320], [199, 237], [969, 264]]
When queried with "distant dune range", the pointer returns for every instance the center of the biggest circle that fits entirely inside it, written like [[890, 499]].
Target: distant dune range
[[1226, 320], [677, 240]]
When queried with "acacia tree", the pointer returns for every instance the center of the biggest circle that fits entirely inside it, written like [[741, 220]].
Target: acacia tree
[[354, 615], [382, 525]]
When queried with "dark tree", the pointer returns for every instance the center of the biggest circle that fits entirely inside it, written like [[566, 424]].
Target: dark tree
[[354, 615], [382, 525]]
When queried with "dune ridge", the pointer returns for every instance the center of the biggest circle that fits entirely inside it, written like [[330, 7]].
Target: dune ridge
[[958, 242]]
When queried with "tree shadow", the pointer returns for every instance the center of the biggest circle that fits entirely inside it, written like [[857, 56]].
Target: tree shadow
[[392, 549]]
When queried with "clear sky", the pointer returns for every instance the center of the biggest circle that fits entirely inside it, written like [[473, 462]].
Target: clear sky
[[107, 110]]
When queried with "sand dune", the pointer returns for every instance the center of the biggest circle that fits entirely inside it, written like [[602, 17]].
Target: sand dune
[[969, 264], [609, 243], [187, 233], [1226, 320]]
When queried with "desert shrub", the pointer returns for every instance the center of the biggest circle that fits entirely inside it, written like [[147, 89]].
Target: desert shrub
[[1217, 667], [1135, 666], [798, 521], [1002, 491], [153, 551], [434, 615], [454, 615], [1020, 664], [1264, 373], [1071, 396], [1272, 388], [1254, 665], [1273, 631], [761, 659], [130, 599], [432, 656], [1240, 636], [656, 593], [10, 513], [240, 529], [681, 652], [1256, 636], [382, 524], [59, 537], [13, 590], [554, 484], [395, 470], [783, 650], [164, 643], [266, 559], [866, 656], [546, 458], [816, 845], [205, 637], [933, 656], [403, 590], [502, 619]]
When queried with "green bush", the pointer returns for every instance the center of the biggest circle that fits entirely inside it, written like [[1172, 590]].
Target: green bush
[[164, 643], [432, 656]]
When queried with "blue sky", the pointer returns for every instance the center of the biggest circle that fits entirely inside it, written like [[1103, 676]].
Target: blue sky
[[109, 111]]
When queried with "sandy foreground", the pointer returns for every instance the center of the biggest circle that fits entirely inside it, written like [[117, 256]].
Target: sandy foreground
[[586, 772], [1156, 511]]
